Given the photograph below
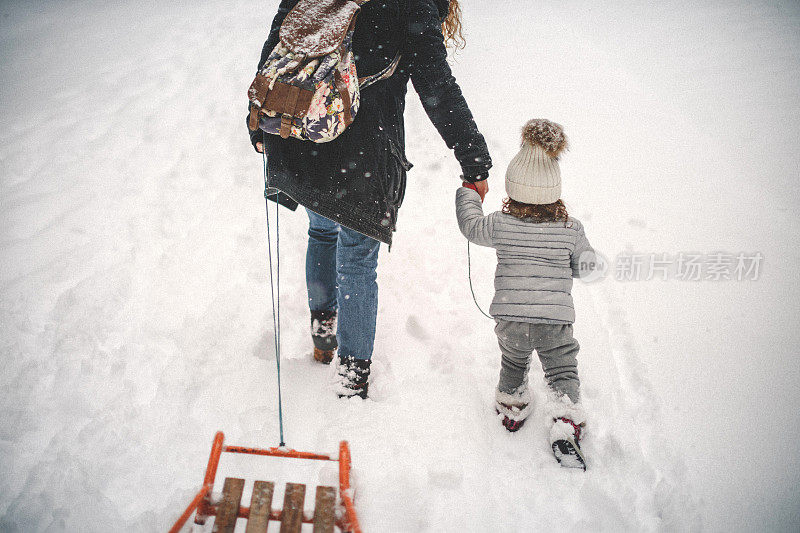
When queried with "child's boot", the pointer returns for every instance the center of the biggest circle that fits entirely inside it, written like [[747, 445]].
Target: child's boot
[[352, 377], [514, 406], [565, 439], [323, 333]]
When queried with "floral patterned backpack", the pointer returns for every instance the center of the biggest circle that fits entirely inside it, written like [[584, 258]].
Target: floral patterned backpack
[[308, 88]]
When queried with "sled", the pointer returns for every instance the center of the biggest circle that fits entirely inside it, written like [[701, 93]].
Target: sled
[[260, 512]]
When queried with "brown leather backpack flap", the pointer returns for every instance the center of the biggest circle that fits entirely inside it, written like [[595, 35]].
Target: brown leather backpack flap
[[317, 27], [286, 99]]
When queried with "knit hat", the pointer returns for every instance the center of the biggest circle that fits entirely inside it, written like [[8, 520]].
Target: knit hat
[[533, 176]]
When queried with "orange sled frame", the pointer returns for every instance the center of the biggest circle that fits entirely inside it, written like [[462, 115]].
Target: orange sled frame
[[205, 508]]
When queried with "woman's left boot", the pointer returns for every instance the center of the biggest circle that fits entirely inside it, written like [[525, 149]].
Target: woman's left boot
[[323, 333]]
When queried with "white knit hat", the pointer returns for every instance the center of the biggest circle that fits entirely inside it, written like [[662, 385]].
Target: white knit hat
[[533, 176]]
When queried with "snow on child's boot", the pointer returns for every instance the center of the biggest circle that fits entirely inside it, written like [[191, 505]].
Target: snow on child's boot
[[515, 406], [569, 421], [352, 377], [323, 333]]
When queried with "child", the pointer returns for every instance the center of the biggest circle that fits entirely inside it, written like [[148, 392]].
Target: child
[[539, 250]]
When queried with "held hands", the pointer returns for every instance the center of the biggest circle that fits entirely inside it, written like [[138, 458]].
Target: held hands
[[481, 187]]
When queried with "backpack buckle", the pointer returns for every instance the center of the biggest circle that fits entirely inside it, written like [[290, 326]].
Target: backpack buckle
[[252, 121]]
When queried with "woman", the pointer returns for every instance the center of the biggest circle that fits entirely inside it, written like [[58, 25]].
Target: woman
[[353, 186]]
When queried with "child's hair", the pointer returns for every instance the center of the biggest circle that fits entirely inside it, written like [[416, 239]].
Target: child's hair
[[536, 212]]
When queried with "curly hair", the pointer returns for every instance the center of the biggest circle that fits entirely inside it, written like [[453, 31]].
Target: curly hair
[[451, 27], [537, 212]]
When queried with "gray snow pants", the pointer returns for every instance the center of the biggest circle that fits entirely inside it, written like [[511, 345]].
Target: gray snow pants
[[557, 351]]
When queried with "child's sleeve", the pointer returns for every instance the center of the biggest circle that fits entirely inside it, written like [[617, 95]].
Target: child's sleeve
[[469, 212], [583, 260]]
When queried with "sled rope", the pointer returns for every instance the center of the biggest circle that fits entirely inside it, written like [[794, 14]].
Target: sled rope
[[469, 276], [274, 286]]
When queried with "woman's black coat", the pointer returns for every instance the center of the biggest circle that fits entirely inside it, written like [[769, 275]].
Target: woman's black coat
[[359, 178]]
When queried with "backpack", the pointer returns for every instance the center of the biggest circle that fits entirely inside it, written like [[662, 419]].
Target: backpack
[[309, 88]]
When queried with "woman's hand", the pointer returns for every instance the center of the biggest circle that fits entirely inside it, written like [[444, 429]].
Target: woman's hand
[[260, 148], [480, 187]]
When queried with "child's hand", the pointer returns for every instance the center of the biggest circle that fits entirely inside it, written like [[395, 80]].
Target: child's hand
[[480, 187]]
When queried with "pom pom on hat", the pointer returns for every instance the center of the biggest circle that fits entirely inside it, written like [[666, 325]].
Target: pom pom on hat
[[549, 135]]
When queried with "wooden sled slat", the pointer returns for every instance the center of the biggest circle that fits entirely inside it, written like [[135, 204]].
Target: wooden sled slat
[[260, 505], [229, 506], [292, 518], [324, 517], [227, 511]]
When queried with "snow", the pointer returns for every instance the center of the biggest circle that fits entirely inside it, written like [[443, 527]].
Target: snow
[[324, 328], [134, 306], [302, 33]]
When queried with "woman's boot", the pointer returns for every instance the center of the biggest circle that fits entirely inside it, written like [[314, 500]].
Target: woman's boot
[[323, 333], [352, 377]]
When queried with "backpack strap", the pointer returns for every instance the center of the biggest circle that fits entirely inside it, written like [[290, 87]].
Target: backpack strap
[[344, 93], [387, 72]]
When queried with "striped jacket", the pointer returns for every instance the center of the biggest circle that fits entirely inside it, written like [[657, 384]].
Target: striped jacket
[[535, 261]]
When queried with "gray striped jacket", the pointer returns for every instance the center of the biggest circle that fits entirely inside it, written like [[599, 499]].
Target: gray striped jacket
[[535, 261]]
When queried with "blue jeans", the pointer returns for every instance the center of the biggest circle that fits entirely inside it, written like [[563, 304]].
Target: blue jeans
[[341, 274]]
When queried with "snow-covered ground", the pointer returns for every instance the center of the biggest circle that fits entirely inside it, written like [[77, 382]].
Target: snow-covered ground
[[134, 314]]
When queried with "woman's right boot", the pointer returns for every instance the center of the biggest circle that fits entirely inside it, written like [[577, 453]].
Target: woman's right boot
[[352, 377]]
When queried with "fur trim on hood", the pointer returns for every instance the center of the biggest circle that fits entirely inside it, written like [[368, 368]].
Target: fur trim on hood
[[549, 135]]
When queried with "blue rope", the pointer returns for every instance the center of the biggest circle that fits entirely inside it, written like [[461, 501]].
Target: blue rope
[[469, 275], [274, 287]]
